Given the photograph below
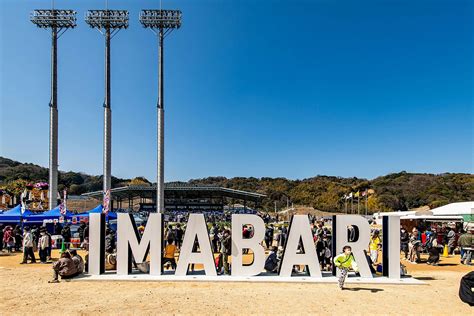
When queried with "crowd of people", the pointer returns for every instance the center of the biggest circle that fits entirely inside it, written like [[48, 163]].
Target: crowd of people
[[433, 240]]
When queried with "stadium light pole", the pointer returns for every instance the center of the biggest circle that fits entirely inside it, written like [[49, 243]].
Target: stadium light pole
[[108, 23], [162, 23], [59, 21]]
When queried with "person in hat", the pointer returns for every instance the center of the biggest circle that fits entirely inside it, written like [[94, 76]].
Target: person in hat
[[466, 242], [43, 245], [28, 247]]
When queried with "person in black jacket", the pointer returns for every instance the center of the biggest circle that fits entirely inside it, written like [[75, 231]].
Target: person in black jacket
[[271, 263], [110, 241], [80, 230], [66, 233], [269, 236], [404, 239]]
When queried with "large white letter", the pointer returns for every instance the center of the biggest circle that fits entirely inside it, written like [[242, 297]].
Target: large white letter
[[129, 243], [391, 246], [300, 229], [239, 243], [359, 246], [96, 243], [196, 227]]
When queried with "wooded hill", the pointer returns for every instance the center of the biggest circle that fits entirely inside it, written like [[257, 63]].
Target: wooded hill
[[396, 191]]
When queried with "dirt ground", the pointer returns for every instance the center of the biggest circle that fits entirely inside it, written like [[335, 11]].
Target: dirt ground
[[25, 290]]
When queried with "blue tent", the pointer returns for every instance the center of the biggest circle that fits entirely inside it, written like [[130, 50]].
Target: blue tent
[[55, 213], [14, 215], [97, 209]]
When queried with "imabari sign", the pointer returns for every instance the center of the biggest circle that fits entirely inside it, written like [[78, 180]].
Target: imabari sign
[[131, 244]]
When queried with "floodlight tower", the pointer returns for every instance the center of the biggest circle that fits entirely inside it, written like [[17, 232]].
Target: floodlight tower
[[108, 23], [59, 21], [161, 22]]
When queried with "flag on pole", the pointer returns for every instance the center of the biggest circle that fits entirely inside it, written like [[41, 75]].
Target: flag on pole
[[65, 200], [63, 206], [349, 196], [356, 194], [364, 193], [22, 201], [106, 203]]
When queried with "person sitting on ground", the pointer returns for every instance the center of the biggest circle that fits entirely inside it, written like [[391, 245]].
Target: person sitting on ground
[[168, 257], [64, 267], [78, 261], [271, 263]]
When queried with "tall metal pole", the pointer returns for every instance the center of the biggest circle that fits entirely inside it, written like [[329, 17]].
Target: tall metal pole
[[58, 21], [107, 118], [160, 181], [53, 123]]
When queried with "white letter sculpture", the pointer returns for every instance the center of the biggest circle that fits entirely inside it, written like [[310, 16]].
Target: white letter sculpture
[[391, 247], [196, 227], [96, 243], [239, 243], [359, 246], [300, 229], [129, 243]]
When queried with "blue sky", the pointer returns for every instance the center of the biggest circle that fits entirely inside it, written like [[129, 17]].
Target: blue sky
[[252, 88]]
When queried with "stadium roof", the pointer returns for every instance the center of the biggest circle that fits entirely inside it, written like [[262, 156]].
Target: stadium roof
[[179, 190]]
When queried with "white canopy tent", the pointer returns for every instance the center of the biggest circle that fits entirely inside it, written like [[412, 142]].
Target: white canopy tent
[[458, 210]]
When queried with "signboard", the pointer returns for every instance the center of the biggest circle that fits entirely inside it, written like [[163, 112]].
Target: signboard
[[130, 245]]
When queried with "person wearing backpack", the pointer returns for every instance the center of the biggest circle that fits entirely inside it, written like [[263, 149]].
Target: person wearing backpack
[[344, 262]]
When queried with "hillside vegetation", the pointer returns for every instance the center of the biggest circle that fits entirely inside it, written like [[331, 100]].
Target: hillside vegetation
[[396, 191]]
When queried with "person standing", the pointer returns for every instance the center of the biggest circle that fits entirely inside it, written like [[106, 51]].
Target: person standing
[[451, 236], [226, 250], [81, 230], [18, 237], [344, 262], [7, 238], [414, 247], [404, 238], [374, 243], [66, 233], [466, 242], [28, 247], [43, 245], [1, 237], [214, 236], [168, 256], [179, 236], [269, 236]]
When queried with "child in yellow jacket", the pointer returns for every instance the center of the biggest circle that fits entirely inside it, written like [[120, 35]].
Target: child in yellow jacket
[[344, 262]]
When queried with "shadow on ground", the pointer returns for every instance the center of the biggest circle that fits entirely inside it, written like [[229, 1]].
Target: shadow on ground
[[427, 278], [356, 289]]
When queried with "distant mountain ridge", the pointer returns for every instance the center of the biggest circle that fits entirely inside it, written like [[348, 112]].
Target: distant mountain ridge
[[396, 191]]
